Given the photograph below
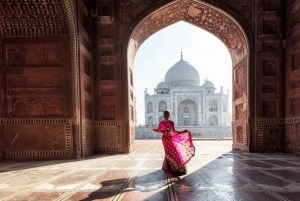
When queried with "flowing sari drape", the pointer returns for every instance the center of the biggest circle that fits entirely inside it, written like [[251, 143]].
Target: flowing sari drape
[[178, 146]]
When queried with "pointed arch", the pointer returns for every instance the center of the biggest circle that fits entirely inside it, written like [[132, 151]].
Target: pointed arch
[[224, 26]]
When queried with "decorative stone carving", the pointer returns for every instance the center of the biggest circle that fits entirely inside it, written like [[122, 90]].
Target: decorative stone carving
[[208, 19], [88, 141], [15, 57], [53, 56], [32, 18], [273, 135], [238, 94], [239, 134], [54, 106], [38, 137], [239, 72], [35, 137], [35, 56], [134, 8], [106, 136], [18, 107], [37, 107], [239, 112], [292, 137]]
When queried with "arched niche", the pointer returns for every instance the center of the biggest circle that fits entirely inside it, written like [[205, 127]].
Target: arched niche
[[150, 107], [224, 26], [213, 106], [162, 106], [213, 120], [187, 113], [150, 121]]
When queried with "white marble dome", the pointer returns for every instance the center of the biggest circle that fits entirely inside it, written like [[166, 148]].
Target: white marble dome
[[208, 84], [182, 73], [162, 85]]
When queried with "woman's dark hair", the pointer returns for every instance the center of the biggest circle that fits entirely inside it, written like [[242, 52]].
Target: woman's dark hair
[[166, 114]]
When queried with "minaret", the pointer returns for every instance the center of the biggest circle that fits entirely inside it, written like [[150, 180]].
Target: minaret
[[135, 113], [181, 55]]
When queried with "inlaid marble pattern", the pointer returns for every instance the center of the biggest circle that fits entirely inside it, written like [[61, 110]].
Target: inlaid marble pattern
[[215, 173]]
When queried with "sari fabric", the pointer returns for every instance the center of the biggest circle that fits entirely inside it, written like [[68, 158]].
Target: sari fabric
[[178, 146]]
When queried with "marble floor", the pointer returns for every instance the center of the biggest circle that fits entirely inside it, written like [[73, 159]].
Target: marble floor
[[215, 173]]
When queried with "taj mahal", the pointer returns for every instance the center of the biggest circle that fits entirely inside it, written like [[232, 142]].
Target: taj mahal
[[198, 108]]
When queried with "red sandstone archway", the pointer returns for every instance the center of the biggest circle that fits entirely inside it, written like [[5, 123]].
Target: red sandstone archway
[[222, 25]]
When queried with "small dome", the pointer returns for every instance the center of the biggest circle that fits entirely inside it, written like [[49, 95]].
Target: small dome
[[182, 73], [162, 85], [208, 84]]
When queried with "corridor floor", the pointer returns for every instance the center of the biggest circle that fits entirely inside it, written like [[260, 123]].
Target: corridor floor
[[215, 173]]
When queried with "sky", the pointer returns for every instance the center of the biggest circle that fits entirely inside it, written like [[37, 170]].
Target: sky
[[162, 50]]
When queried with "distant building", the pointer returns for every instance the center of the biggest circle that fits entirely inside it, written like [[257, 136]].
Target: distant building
[[190, 104]]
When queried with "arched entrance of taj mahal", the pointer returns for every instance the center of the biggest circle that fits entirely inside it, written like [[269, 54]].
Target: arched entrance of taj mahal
[[229, 31]]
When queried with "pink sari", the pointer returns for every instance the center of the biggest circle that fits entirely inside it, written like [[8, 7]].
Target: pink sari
[[179, 148]]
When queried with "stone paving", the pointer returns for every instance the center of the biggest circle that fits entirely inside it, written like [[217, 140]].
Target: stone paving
[[215, 173]]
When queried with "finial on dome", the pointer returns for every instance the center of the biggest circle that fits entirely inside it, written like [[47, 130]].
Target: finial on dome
[[181, 55]]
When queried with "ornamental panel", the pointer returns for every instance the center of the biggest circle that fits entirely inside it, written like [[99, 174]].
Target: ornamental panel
[[32, 18]]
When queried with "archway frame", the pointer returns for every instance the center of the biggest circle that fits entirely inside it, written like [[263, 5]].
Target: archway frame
[[239, 50]]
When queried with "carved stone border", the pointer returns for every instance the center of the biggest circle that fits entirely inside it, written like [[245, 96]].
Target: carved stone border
[[87, 124], [74, 74], [42, 153], [245, 141], [118, 125], [292, 120], [292, 149], [260, 128], [234, 138], [271, 121]]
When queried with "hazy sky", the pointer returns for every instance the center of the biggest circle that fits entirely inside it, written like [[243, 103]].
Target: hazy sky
[[162, 50]]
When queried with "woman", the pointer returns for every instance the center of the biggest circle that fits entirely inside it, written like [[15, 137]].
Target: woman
[[179, 148]]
